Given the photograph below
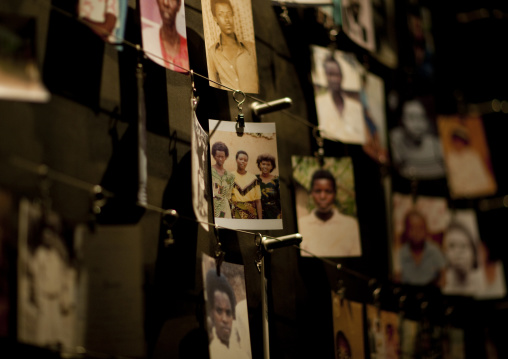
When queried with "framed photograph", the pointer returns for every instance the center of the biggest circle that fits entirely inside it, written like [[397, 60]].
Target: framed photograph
[[357, 22], [229, 29], [337, 85], [467, 158], [20, 78], [200, 195], [326, 207], [347, 327], [416, 148], [245, 175], [164, 33], [226, 310]]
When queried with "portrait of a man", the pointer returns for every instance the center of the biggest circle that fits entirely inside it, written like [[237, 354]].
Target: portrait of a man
[[164, 34], [337, 84], [226, 306], [229, 38]]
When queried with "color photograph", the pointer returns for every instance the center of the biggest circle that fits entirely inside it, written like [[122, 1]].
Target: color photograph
[[467, 158], [245, 176], [227, 315], [164, 33], [105, 18], [383, 333], [326, 207], [230, 45], [337, 84], [347, 328]]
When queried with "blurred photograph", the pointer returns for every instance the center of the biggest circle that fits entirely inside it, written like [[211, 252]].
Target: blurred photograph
[[47, 280], [467, 158], [416, 148], [357, 22], [226, 309], [418, 229], [164, 33], [326, 207], [383, 14], [105, 17], [230, 45], [337, 85], [20, 78], [383, 333], [347, 327], [245, 176]]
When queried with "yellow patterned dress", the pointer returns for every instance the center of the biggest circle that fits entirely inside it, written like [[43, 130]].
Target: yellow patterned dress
[[245, 193]]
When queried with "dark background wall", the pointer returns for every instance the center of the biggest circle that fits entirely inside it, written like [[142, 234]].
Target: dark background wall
[[87, 132]]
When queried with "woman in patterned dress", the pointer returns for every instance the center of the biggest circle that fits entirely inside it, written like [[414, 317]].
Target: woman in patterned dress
[[246, 197], [270, 190], [222, 181]]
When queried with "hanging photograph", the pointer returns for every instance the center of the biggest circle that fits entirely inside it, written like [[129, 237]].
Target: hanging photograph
[[20, 78], [326, 207], [408, 338], [357, 22], [418, 228], [164, 33], [466, 273], [200, 196], [230, 44], [105, 17], [383, 333], [416, 148], [347, 327], [245, 175], [226, 310], [385, 32], [372, 98], [47, 279], [468, 166], [337, 86]]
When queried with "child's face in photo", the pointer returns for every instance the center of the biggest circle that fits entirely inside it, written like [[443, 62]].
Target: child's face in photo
[[414, 119], [458, 250], [323, 195]]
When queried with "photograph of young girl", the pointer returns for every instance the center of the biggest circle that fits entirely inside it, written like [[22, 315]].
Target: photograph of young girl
[[245, 176]]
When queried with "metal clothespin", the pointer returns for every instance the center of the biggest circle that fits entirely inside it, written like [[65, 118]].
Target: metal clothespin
[[219, 253], [341, 291], [320, 153], [169, 218], [240, 121], [195, 99], [258, 241]]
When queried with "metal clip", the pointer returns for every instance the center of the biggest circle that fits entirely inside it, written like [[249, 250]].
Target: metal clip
[[240, 121], [195, 99], [320, 153]]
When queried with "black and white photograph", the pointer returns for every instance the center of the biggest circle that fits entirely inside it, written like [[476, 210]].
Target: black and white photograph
[[245, 176], [326, 207], [230, 45], [47, 279], [20, 78], [200, 196], [357, 22], [164, 33], [227, 317], [416, 148], [337, 84]]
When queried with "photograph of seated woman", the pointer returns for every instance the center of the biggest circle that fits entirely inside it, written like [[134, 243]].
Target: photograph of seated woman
[[222, 181], [326, 232], [463, 275], [246, 196], [416, 149], [421, 259], [269, 183]]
